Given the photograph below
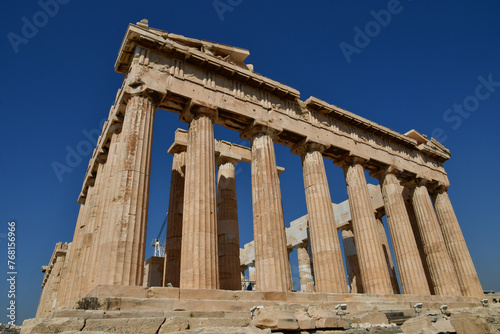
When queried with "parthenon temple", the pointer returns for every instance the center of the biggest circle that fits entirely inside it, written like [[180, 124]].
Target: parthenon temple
[[209, 83]]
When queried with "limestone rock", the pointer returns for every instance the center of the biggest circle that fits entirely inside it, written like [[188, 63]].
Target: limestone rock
[[304, 320], [373, 317], [274, 319], [325, 318], [174, 324], [416, 325], [52, 325], [124, 326], [443, 326], [465, 323], [225, 330]]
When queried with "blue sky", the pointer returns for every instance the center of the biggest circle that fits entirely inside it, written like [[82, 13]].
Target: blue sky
[[412, 70]]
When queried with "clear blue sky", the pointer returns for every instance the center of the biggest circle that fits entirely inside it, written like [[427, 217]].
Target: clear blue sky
[[408, 75]]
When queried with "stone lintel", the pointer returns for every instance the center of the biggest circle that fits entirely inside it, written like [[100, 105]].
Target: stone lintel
[[222, 148]]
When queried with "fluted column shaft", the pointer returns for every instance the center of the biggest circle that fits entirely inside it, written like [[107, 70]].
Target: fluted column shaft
[[271, 256], [227, 226], [384, 242], [305, 272], [173, 243], [125, 235], [351, 260], [411, 271], [372, 264], [199, 259], [441, 269], [455, 243], [329, 273]]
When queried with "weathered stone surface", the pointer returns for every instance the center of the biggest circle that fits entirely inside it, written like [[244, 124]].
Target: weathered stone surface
[[441, 269], [410, 267], [225, 330], [304, 319], [272, 264], [174, 225], [443, 325], [227, 225], [52, 325], [199, 260], [125, 326], [467, 323], [218, 322], [325, 247], [274, 319], [415, 325], [373, 317], [455, 243], [372, 264], [325, 318], [174, 324]]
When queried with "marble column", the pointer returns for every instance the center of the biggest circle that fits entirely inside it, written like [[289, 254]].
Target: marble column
[[411, 271], [271, 256], [305, 272], [251, 272], [373, 267], [351, 260], [384, 242], [455, 243], [325, 246], [111, 186], [418, 239], [125, 242], [173, 243], [441, 269], [199, 259], [227, 225]]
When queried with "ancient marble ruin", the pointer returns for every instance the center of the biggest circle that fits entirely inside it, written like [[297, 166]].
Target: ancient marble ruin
[[208, 83]]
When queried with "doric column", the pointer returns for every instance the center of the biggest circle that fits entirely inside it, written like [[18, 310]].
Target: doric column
[[441, 269], [306, 279], [251, 272], [351, 260], [411, 270], [384, 242], [174, 220], [199, 259], [372, 264], [455, 243], [271, 257], [111, 187], [325, 246], [227, 225], [125, 236]]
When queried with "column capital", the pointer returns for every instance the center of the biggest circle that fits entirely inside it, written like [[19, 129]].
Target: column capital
[[221, 159], [257, 128], [415, 181], [153, 95], [198, 109], [350, 160], [384, 170], [439, 188], [306, 146]]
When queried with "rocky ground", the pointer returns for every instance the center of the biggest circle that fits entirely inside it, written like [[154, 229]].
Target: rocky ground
[[278, 320]]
